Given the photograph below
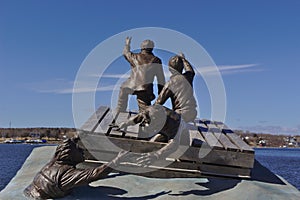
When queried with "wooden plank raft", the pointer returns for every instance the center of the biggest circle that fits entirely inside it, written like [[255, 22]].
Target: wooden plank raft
[[212, 148]]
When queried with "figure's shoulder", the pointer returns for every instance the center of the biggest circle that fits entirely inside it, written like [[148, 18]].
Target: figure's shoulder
[[189, 75], [130, 54], [157, 60]]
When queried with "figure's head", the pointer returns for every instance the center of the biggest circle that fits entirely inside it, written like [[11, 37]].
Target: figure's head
[[147, 45], [69, 152], [176, 63]]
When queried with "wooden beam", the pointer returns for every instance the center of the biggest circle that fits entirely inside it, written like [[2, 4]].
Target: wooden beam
[[92, 123], [221, 157], [235, 138], [222, 138], [104, 125], [211, 139], [196, 139]]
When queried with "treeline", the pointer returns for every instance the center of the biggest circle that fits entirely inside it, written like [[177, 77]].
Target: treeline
[[269, 140], [41, 131]]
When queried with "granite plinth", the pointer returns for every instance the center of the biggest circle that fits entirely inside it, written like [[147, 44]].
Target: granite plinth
[[263, 185]]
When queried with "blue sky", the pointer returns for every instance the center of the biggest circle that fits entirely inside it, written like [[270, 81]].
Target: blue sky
[[255, 44]]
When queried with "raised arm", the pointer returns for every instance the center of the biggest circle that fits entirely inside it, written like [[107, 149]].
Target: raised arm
[[126, 49], [129, 56], [186, 64]]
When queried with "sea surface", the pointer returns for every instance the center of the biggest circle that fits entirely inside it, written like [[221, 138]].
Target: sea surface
[[282, 161]]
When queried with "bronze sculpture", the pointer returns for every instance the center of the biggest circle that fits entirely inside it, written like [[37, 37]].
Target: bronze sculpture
[[162, 125], [144, 67], [180, 88], [158, 122], [57, 178]]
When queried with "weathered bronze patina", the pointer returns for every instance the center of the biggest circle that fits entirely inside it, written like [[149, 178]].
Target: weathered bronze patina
[[180, 88], [157, 120], [57, 178], [166, 125], [144, 67]]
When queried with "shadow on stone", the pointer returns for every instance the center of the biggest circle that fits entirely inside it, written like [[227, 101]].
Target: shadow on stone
[[262, 174], [216, 185], [213, 186], [106, 192]]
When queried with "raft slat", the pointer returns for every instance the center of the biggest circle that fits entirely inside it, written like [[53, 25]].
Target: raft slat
[[212, 148], [92, 123], [196, 138], [223, 139], [201, 126], [235, 138], [225, 171], [211, 139], [219, 157], [226, 142], [207, 135], [239, 142], [206, 155], [186, 169], [157, 172], [104, 125], [133, 131], [122, 117]]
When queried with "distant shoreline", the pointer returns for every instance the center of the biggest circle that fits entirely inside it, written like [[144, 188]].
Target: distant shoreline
[[48, 141], [55, 135], [274, 147]]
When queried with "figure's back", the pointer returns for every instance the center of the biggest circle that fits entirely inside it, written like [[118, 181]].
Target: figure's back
[[145, 66], [46, 183]]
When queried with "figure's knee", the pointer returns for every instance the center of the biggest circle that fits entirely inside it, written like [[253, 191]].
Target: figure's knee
[[189, 118]]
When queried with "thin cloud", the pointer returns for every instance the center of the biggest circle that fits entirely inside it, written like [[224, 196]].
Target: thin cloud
[[80, 90], [62, 86], [228, 69], [262, 121], [117, 76], [207, 70], [98, 89]]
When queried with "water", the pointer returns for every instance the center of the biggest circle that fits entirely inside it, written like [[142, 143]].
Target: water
[[12, 156], [284, 162]]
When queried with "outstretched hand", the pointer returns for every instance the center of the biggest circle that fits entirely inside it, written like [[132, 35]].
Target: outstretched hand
[[146, 159], [128, 40], [181, 55], [120, 157]]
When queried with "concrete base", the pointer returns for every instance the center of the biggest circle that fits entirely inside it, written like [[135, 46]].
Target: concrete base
[[263, 185]]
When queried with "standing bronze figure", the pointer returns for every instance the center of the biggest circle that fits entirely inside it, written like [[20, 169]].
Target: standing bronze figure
[[144, 67], [57, 178]]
